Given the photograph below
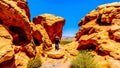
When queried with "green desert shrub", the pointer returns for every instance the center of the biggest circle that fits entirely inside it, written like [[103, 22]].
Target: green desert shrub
[[84, 60], [34, 63], [65, 42]]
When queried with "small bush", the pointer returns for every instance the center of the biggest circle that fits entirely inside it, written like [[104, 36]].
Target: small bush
[[34, 63], [84, 60]]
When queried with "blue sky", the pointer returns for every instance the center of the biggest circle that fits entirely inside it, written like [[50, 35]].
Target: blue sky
[[71, 10]]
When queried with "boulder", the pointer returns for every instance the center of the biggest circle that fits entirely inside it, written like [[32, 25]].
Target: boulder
[[71, 48], [44, 29], [52, 24], [55, 55]]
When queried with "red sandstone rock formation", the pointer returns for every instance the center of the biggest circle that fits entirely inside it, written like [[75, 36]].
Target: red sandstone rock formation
[[6, 45], [52, 24], [16, 21], [88, 44], [84, 31], [37, 37], [39, 20], [14, 16], [100, 31], [8, 64], [23, 5], [24, 36]]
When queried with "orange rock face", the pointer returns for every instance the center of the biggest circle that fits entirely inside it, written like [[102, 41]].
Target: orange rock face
[[104, 21], [20, 38], [23, 5], [14, 16], [8, 64], [100, 31], [16, 22], [38, 20], [52, 24], [54, 30], [88, 44], [37, 37]]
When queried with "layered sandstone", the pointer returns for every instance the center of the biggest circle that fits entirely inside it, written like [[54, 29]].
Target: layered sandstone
[[15, 34], [6, 46], [21, 39], [52, 24], [100, 30], [40, 36], [15, 21], [23, 4]]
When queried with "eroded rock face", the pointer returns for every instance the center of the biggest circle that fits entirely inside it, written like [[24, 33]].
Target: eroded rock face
[[88, 44], [52, 24], [23, 5], [6, 48], [21, 63], [100, 30], [15, 21], [15, 34], [20, 39], [8, 64], [37, 37], [40, 36]]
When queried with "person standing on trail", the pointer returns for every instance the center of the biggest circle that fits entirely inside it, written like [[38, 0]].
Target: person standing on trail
[[57, 41]]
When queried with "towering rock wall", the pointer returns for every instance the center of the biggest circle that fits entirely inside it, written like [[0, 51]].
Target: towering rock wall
[[100, 31], [15, 21], [15, 34]]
